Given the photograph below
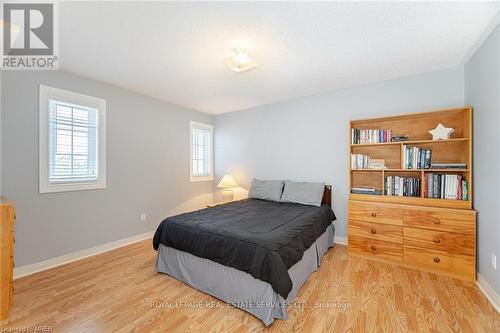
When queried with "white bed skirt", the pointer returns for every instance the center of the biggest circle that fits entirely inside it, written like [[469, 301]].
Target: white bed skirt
[[238, 288]]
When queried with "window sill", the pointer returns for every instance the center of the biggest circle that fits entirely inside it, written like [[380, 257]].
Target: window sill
[[71, 187], [193, 179]]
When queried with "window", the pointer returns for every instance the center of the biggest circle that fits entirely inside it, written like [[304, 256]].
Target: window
[[72, 141], [201, 138]]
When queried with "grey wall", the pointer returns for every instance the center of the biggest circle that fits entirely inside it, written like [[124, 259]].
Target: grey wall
[[307, 139], [147, 168], [482, 91]]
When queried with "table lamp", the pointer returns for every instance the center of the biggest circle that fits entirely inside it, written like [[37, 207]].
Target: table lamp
[[226, 184]]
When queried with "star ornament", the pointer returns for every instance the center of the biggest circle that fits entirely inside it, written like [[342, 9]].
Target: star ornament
[[441, 132]]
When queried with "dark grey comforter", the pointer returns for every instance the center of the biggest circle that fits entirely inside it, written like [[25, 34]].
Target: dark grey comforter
[[262, 238]]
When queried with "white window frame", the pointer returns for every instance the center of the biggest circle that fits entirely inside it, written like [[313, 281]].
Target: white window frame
[[197, 125], [47, 93]]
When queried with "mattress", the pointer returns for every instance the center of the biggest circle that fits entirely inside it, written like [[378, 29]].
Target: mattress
[[239, 288]]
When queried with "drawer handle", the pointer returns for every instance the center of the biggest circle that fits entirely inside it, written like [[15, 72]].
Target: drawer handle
[[436, 240], [436, 221], [437, 260], [374, 231], [373, 247], [374, 214]]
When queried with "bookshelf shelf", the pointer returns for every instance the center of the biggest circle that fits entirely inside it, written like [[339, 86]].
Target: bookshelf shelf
[[429, 202], [412, 142]]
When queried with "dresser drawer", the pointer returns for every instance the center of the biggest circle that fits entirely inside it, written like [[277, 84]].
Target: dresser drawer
[[378, 231], [458, 265], [458, 221], [376, 248], [371, 212], [439, 240]]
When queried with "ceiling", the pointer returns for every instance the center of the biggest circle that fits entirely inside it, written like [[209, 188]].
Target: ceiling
[[174, 51]]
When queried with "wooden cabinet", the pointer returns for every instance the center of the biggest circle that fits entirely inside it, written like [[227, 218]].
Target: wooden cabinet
[[418, 231], [6, 256], [438, 240]]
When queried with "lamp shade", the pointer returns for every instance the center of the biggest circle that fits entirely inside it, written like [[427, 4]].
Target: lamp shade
[[227, 182]]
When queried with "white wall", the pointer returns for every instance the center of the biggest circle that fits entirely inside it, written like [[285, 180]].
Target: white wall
[[482, 91], [147, 168], [307, 139]]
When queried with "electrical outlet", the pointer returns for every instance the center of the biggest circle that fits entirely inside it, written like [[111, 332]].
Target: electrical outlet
[[143, 217], [494, 261]]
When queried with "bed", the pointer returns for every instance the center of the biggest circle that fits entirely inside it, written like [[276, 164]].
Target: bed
[[253, 254]]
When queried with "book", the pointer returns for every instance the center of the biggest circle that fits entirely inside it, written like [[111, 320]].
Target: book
[[399, 138], [465, 190], [448, 166], [365, 190], [428, 156], [376, 163]]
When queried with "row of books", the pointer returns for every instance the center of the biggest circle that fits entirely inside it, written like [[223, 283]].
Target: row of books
[[360, 161], [365, 190], [416, 158], [402, 186], [368, 136], [441, 186]]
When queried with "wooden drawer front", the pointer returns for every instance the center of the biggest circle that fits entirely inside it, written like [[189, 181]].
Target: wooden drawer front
[[458, 221], [375, 248], [438, 240], [379, 231], [370, 212], [459, 265]]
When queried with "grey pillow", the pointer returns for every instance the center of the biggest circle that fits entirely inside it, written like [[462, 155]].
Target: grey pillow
[[266, 189], [303, 193]]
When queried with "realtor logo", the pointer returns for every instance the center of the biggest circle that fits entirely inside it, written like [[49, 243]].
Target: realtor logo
[[29, 36]]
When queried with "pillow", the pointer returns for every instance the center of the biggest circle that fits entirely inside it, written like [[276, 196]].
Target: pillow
[[266, 189], [303, 193]]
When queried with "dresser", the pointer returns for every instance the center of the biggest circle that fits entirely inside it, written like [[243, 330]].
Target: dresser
[[6, 256], [433, 239]]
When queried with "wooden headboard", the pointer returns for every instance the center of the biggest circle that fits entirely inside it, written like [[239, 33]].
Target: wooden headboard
[[327, 195]]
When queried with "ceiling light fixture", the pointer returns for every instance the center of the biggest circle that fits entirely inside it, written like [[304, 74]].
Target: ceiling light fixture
[[240, 61]]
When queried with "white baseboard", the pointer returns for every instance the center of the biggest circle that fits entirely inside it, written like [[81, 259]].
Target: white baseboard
[[70, 257], [489, 292], [340, 240]]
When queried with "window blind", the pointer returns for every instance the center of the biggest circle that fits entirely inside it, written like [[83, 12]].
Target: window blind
[[200, 148], [73, 143]]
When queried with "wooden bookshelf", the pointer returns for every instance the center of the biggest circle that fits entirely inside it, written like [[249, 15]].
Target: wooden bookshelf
[[435, 235], [457, 149]]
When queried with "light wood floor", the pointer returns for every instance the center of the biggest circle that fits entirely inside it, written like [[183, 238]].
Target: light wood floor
[[120, 291]]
